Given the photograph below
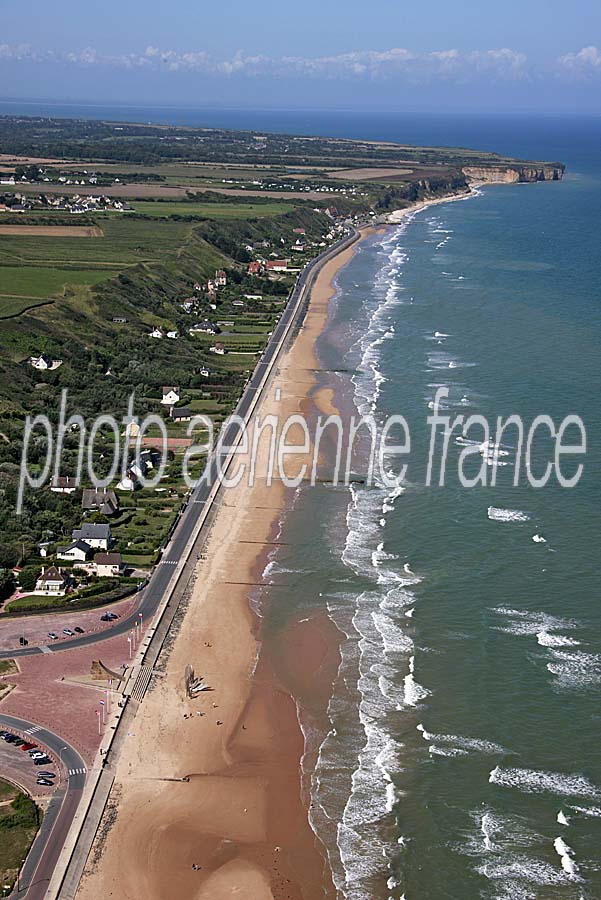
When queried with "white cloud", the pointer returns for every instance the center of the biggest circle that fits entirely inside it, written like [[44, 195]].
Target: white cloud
[[16, 51], [393, 63], [586, 60]]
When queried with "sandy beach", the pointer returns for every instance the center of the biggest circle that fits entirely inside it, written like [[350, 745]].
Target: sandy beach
[[238, 824]]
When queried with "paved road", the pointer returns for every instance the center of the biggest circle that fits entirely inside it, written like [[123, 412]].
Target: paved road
[[152, 594], [39, 865]]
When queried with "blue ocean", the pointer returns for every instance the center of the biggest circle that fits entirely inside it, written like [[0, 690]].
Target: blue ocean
[[462, 758]]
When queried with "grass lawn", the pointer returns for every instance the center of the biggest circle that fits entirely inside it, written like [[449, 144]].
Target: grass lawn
[[38, 282], [14, 306], [126, 241], [211, 210], [7, 667], [7, 790], [19, 822]]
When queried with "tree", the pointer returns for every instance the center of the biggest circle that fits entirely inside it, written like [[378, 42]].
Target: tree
[[28, 577]]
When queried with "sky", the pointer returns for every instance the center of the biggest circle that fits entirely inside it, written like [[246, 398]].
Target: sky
[[517, 55]]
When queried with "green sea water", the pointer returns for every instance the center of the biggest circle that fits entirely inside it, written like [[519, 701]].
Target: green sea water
[[462, 759]]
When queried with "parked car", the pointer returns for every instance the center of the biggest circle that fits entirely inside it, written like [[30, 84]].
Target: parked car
[[23, 641], [28, 746], [46, 775], [78, 630], [45, 782], [53, 636], [68, 632], [42, 761], [35, 754], [18, 742]]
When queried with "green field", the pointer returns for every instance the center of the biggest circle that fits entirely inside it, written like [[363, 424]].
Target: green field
[[41, 282], [19, 822], [211, 210], [126, 242], [13, 306]]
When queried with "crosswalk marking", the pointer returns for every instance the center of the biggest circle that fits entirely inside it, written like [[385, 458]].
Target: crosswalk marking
[[33, 729], [168, 562], [77, 771]]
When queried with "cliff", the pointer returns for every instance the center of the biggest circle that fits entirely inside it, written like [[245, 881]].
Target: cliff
[[515, 174]]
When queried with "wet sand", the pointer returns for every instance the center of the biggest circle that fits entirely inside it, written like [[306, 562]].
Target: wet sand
[[241, 818]]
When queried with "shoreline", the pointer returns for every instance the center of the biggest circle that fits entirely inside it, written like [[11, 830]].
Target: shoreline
[[241, 817], [243, 742]]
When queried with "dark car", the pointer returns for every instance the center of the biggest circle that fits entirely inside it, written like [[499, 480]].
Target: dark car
[[23, 641], [45, 782], [9, 738], [46, 775], [78, 630], [105, 618], [42, 761], [18, 742]]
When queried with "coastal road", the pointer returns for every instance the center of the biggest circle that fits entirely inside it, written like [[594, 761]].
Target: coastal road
[[179, 545], [41, 860]]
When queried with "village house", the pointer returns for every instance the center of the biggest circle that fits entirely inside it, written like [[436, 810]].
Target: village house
[[188, 305], [204, 372], [101, 500], [171, 396], [54, 582], [298, 246], [299, 231], [237, 302], [156, 333], [220, 278], [63, 484], [129, 482], [217, 348], [205, 327], [181, 414], [277, 265], [107, 565], [95, 534], [197, 286], [256, 268], [119, 320], [173, 335], [44, 363], [76, 551]]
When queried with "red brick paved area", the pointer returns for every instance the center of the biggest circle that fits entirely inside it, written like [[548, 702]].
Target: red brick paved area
[[44, 695], [35, 628]]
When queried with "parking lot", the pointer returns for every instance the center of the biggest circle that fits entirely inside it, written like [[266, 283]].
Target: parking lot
[[35, 629], [17, 766]]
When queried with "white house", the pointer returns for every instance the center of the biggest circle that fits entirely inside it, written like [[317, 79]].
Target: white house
[[76, 551], [108, 564], [53, 582], [204, 372], [64, 484], [44, 363], [173, 335], [156, 333], [217, 348], [128, 483], [95, 534], [171, 396]]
